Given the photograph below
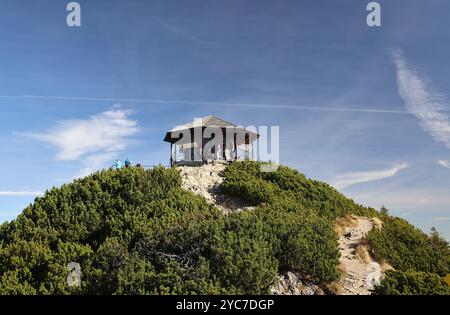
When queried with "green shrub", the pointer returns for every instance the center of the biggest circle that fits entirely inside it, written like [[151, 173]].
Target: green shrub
[[132, 232], [245, 180], [412, 283], [302, 243], [297, 215], [407, 248]]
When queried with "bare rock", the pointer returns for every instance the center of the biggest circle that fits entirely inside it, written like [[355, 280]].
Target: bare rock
[[204, 181], [292, 284]]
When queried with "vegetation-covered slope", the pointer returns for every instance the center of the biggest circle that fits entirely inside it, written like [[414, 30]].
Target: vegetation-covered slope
[[288, 187], [133, 232], [421, 261], [417, 257], [137, 232]]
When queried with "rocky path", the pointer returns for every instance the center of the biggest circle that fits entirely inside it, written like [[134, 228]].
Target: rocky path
[[361, 272]]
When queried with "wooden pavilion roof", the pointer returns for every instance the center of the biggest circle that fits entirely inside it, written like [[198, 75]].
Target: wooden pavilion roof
[[208, 121]]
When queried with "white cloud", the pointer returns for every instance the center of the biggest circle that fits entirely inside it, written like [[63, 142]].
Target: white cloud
[[444, 163], [93, 141], [96, 161], [407, 199], [20, 193], [349, 179], [441, 219], [428, 106]]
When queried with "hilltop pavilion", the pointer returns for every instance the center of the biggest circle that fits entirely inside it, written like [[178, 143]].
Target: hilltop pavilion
[[209, 139]]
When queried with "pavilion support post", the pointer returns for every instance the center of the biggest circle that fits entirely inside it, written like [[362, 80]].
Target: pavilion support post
[[171, 154], [247, 147], [224, 144], [192, 145], [204, 159], [235, 147]]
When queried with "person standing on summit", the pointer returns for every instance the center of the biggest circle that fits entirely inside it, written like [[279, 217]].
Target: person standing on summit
[[118, 165]]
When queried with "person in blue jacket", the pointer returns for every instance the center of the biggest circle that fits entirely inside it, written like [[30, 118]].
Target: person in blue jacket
[[127, 163], [118, 165]]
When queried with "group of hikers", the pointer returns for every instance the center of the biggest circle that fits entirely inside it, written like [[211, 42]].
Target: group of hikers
[[118, 164]]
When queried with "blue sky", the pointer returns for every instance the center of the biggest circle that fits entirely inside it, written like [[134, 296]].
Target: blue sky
[[365, 109]]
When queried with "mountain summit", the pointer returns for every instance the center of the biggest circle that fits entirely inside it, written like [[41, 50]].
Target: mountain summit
[[228, 229]]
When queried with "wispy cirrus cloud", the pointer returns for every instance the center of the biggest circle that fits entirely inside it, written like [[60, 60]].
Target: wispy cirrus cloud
[[427, 105], [441, 218], [190, 103], [444, 163], [20, 193], [348, 179], [180, 31], [93, 141]]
